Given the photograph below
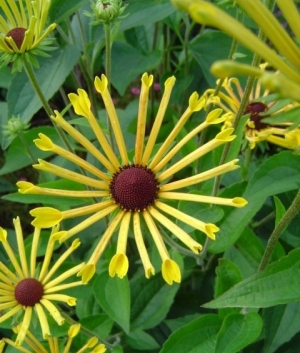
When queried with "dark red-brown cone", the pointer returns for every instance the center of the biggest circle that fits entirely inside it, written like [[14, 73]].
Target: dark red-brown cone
[[29, 292], [17, 35]]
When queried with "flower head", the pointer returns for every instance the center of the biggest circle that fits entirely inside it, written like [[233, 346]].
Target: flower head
[[29, 289], [137, 190], [22, 29], [52, 343], [260, 106], [106, 11], [285, 57]]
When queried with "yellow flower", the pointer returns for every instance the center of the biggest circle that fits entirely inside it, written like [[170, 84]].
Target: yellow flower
[[133, 191], [29, 289], [260, 106], [22, 29], [52, 345], [285, 57]]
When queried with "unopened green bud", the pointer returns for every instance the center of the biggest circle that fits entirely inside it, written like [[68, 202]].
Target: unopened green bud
[[107, 11], [14, 126]]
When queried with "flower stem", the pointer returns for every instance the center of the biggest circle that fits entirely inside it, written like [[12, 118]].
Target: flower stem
[[108, 44], [283, 223]]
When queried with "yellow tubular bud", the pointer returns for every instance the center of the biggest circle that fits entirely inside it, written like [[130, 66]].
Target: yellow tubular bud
[[170, 271]]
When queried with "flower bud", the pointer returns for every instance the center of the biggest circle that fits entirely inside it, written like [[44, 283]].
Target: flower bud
[[107, 11]]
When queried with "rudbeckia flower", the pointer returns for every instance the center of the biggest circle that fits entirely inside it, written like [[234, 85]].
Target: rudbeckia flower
[[285, 55], [133, 191], [260, 106], [27, 288], [22, 28], [52, 344]]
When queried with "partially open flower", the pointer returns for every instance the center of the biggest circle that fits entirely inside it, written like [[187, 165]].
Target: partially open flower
[[29, 289], [52, 343]]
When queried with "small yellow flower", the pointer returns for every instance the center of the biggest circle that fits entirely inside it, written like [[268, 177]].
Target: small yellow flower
[[260, 106], [22, 28], [30, 289], [133, 190], [52, 343], [285, 57]]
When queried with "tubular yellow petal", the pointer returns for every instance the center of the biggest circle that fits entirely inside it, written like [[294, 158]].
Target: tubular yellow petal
[[64, 286], [7, 276], [74, 330], [8, 305], [178, 232], [81, 103], [43, 320], [53, 311], [222, 137], [273, 29], [123, 233], [208, 14], [11, 312], [235, 202], [92, 342], [101, 87], [291, 14], [142, 117], [229, 68], [118, 265], [99, 349], [87, 272], [12, 258], [156, 235], [195, 104], [149, 269], [34, 248], [71, 301], [45, 217], [44, 143], [68, 174], [24, 326], [21, 247], [169, 84], [215, 117], [89, 221], [170, 271], [105, 238], [206, 228], [48, 256], [59, 120], [178, 147]]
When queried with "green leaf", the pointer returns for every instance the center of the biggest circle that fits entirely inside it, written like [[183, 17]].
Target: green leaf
[[280, 173], [130, 63], [281, 323], [17, 148], [151, 300], [61, 10], [280, 210], [228, 275], [277, 284], [198, 336], [21, 97], [237, 332], [141, 340], [150, 12], [113, 295], [100, 324]]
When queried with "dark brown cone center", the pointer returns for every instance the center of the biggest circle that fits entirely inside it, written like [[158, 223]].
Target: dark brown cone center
[[17, 35], [134, 187], [255, 109], [29, 292]]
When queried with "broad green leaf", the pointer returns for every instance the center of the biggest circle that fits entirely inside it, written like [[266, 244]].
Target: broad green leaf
[[21, 97], [113, 295], [100, 324], [277, 284], [228, 275], [60, 10], [141, 340], [150, 12], [129, 63], [198, 336], [237, 332], [280, 210], [281, 323], [17, 148], [280, 173], [151, 300]]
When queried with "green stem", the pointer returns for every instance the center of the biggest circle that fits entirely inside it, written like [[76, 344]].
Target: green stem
[[108, 44], [291, 212]]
